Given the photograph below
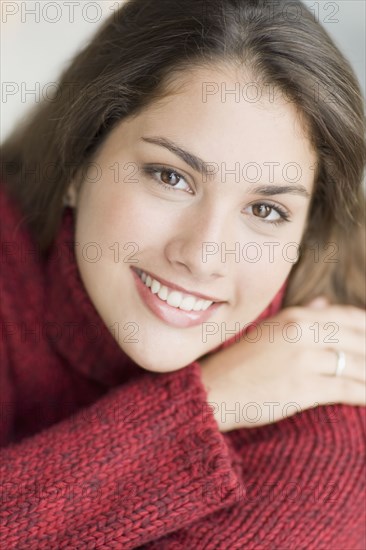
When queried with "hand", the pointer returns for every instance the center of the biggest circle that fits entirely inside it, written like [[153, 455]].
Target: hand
[[294, 364]]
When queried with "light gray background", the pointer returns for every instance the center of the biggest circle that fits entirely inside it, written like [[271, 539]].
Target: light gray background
[[35, 47]]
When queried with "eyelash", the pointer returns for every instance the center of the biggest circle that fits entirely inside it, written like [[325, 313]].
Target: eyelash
[[284, 215], [152, 171]]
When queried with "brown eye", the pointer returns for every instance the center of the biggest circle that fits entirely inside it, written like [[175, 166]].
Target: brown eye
[[269, 213], [169, 177], [261, 210]]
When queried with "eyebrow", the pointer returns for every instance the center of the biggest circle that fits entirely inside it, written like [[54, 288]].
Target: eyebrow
[[199, 165]]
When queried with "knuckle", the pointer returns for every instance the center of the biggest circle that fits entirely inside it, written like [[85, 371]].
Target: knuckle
[[291, 314], [354, 312]]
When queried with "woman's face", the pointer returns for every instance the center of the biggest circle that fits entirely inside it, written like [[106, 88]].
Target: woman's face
[[224, 236]]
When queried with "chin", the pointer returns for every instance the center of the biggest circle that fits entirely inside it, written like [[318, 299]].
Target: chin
[[157, 362]]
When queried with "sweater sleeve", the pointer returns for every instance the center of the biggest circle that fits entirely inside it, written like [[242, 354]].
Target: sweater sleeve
[[135, 465], [301, 485]]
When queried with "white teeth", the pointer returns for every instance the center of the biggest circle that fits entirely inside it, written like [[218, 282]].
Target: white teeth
[[173, 297], [198, 305], [163, 293], [155, 286], [187, 303]]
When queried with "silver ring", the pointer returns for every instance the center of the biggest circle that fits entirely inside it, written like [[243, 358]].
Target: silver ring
[[341, 362]]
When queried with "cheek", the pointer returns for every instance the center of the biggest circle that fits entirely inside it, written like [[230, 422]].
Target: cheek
[[132, 223], [127, 230], [260, 274]]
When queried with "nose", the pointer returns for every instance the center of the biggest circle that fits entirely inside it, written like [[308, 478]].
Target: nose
[[196, 245]]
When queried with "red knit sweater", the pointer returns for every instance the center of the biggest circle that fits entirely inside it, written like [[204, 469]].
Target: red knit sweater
[[97, 452]]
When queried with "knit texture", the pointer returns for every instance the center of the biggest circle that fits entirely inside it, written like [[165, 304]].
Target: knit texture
[[96, 452]]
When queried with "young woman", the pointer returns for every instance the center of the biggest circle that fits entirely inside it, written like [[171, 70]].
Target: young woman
[[183, 314]]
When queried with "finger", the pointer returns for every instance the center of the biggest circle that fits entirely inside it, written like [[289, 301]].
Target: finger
[[319, 302], [349, 391], [342, 338], [318, 335], [348, 316], [326, 390], [354, 369]]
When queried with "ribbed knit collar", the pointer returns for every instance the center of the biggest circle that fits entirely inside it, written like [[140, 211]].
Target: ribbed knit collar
[[81, 336], [78, 332]]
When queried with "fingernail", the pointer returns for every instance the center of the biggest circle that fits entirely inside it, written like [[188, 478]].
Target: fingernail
[[318, 302]]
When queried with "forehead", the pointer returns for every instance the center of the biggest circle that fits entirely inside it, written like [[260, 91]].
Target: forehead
[[210, 112]]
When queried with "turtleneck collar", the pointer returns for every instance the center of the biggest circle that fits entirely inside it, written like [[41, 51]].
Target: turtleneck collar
[[79, 334]]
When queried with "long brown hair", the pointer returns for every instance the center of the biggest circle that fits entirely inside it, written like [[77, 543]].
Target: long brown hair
[[135, 58]]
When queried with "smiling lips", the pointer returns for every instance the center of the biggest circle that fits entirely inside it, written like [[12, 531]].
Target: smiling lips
[[175, 307], [175, 295]]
